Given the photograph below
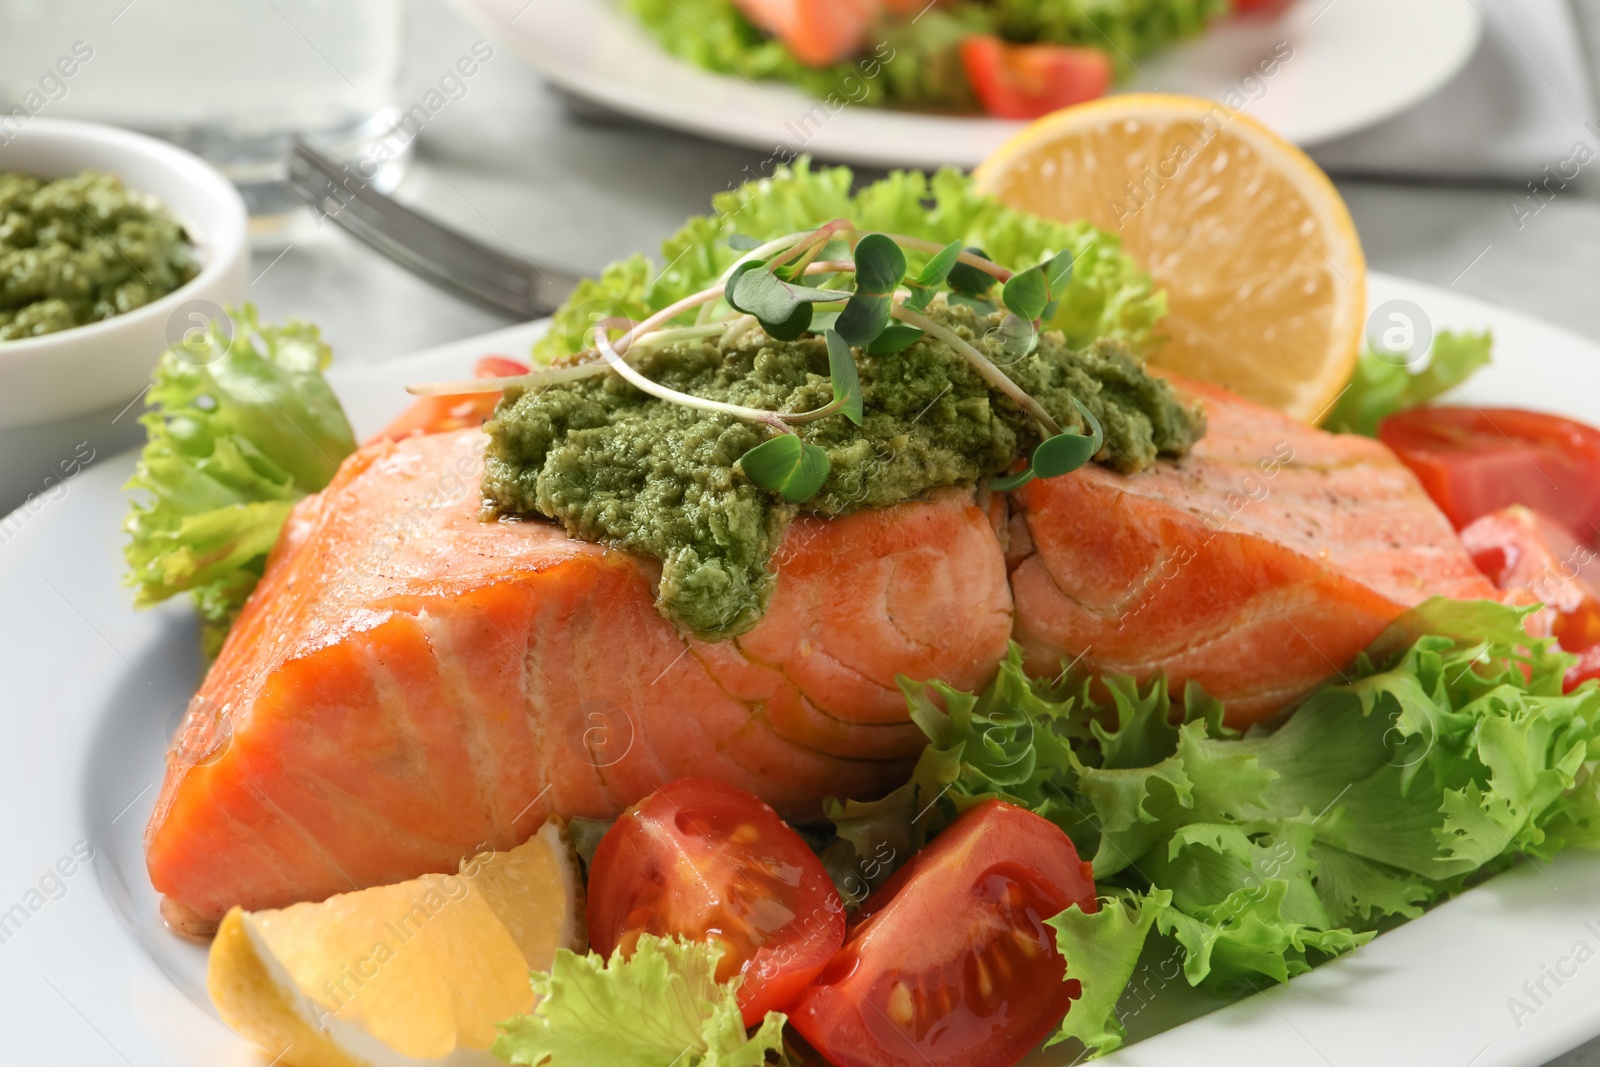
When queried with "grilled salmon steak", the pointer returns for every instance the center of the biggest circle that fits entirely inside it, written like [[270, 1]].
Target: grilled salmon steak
[[409, 685], [1258, 565]]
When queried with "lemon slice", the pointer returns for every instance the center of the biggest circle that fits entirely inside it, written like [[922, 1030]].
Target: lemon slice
[[1264, 274], [414, 973]]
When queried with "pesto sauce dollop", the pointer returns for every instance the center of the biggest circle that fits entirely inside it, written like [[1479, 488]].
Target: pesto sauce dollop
[[618, 467], [80, 249]]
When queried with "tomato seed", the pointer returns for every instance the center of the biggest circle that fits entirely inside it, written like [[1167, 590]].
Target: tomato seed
[[985, 983], [901, 1008]]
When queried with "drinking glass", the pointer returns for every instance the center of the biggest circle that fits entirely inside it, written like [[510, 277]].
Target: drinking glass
[[231, 80]]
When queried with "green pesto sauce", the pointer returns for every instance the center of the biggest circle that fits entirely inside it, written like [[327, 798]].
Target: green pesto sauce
[[80, 249], [618, 467]]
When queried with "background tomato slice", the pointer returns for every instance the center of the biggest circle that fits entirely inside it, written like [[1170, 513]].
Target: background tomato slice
[[437, 414], [953, 963], [498, 367], [1586, 669], [1533, 559], [1024, 81], [1262, 7], [1473, 461], [702, 859]]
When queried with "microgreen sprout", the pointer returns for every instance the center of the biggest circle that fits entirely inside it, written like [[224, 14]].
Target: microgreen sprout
[[1057, 455], [793, 468], [870, 303]]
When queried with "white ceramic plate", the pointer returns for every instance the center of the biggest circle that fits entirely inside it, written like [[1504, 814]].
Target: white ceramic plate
[[1354, 63], [93, 689]]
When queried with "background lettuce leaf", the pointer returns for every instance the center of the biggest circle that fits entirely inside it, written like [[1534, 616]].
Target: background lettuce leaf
[[1450, 753], [238, 430], [660, 1007], [1127, 29], [917, 64], [1381, 387], [1108, 296]]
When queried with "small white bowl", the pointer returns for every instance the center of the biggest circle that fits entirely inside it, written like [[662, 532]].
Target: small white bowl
[[104, 364]]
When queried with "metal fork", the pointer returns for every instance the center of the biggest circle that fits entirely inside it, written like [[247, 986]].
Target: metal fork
[[451, 260]]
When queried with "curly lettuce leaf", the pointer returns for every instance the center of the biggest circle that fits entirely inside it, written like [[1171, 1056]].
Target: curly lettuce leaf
[[1012, 743], [239, 428], [1449, 753], [660, 1007], [1108, 296], [1381, 387], [1105, 945]]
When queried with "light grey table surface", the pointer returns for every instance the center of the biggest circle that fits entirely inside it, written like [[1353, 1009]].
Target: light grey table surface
[[513, 164]]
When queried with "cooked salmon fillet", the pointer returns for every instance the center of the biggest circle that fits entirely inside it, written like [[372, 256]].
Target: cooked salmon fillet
[[409, 685], [1257, 566]]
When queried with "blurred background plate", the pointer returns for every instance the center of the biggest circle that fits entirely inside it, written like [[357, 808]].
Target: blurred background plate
[[1354, 64]]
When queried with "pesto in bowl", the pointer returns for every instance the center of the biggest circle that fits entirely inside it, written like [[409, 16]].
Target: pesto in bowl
[[82, 249]]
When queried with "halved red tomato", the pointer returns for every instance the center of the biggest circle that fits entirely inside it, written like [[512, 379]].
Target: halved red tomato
[[437, 414], [951, 962], [1535, 560], [1024, 81], [1476, 460], [1587, 668], [705, 860]]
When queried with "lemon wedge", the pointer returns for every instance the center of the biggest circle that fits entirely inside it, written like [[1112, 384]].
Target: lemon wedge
[[1263, 271], [414, 973]]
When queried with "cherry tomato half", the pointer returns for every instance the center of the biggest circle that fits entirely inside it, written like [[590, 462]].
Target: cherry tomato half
[[953, 963], [436, 414], [1535, 560], [1587, 668], [1024, 81], [1476, 460], [701, 859]]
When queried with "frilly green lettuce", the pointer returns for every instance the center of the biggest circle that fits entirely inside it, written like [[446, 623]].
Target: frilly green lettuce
[[238, 431], [1379, 387], [1447, 753], [660, 1007]]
